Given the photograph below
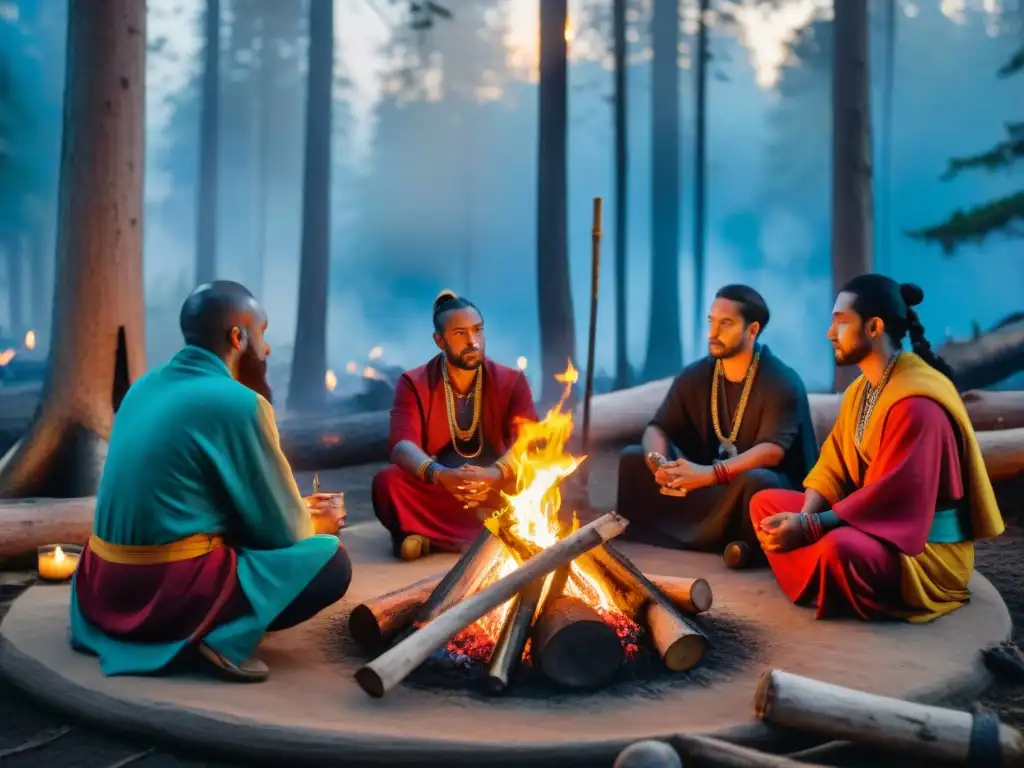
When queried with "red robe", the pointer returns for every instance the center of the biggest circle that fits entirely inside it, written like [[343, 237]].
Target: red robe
[[420, 416], [856, 568]]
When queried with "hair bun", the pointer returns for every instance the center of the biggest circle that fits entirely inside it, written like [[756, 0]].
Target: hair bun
[[444, 297], [912, 294]]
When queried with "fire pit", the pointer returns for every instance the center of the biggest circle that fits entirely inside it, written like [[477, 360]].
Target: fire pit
[[578, 626]]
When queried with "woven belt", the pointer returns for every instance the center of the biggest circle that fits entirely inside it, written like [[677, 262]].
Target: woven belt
[[190, 547]]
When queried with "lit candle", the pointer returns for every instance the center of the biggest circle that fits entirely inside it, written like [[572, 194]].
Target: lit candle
[[57, 563]]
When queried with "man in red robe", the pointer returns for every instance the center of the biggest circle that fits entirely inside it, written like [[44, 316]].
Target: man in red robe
[[452, 422], [887, 523]]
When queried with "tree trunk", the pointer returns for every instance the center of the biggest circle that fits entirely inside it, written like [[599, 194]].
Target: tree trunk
[[664, 335], [39, 282], [852, 200], [700, 176], [309, 361], [209, 131], [98, 339], [15, 282], [554, 288], [260, 148], [621, 195]]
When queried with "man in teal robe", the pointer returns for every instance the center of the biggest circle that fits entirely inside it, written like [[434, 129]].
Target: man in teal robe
[[201, 541]]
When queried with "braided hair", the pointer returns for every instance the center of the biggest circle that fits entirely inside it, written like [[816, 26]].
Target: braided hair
[[893, 303]]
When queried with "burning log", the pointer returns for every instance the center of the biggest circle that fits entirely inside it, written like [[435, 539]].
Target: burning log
[[680, 642], [508, 651], [375, 623], [574, 646], [690, 595], [926, 732], [386, 671], [461, 580]]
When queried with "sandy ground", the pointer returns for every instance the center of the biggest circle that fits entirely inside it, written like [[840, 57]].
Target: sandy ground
[[22, 723]]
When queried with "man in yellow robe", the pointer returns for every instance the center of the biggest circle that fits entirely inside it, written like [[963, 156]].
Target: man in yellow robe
[[887, 522]]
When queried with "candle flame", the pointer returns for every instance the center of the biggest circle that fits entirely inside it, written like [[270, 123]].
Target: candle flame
[[6, 356], [376, 353], [58, 555], [351, 367], [521, 363], [30, 340], [330, 380], [371, 373]]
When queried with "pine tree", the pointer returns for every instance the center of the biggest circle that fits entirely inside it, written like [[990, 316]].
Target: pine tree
[[1003, 215]]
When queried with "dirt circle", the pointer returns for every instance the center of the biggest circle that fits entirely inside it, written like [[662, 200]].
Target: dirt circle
[[312, 709]]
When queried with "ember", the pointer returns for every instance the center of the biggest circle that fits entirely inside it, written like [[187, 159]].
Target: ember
[[578, 625]]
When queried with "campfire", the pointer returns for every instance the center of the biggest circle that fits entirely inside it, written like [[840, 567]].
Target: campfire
[[577, 623]]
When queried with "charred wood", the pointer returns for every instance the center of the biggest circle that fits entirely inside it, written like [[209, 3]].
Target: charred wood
[[573, 646], [508, 651]]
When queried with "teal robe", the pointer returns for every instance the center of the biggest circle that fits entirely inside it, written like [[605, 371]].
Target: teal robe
[[192, 451]]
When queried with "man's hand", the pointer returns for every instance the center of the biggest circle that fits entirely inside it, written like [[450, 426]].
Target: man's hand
[[471, 484], [782, 532], [682, 475], [327, 511]]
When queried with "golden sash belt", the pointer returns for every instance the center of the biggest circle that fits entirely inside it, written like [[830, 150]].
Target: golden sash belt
[[190, 547]]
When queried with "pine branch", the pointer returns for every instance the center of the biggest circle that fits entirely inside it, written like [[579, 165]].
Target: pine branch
[[1005, 215], [1002, 155], [1014, 65]]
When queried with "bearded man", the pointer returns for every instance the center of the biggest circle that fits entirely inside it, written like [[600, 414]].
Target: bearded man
[[733, 423], [887, 523], [201, 541], [452, 422]]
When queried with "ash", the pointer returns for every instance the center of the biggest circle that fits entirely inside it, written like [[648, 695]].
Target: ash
[[734, 645]]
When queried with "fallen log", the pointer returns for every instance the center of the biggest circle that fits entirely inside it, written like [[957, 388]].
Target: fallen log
[[573, 646], [923, 731], [375, 623], [710, 751], [386, 671], [29, 523], [690, 595], [989, 357]]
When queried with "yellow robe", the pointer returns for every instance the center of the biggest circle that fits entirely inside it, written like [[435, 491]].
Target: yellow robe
[[934, 581]]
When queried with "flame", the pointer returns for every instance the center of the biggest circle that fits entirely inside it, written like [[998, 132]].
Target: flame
[[568, 30], [58, 555], [330, 380], [371, 373], [30, 340], [6, 356], [351, 367], [376, 353], [521, 363]]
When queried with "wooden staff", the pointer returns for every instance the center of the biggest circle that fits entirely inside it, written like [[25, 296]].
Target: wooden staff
[[595, 272], [387, 670], [375, 622], [926, 732]]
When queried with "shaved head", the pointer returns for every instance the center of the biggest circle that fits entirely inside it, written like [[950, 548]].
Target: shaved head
[[223, 317]]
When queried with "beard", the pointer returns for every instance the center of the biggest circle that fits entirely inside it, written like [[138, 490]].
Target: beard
[[460, 362], [252, 372], [855, 354], [721, 351]]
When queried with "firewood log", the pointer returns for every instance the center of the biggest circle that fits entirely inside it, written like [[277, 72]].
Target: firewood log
[[679, 639], [711, 751], [508, 651], [573, 646], [387, 670], [926, 732], [374, 623], [31, 523], [690, 595]]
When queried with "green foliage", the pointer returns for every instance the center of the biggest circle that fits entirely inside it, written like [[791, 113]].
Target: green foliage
[[1004, 215]]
